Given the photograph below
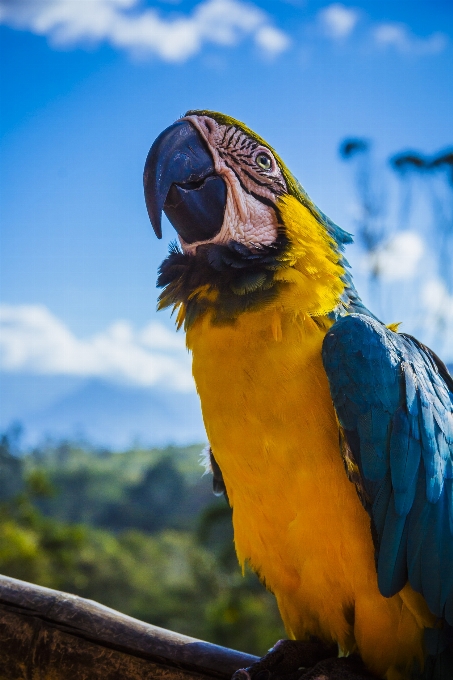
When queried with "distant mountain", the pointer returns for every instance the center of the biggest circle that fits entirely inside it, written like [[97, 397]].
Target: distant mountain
[[104, 413]]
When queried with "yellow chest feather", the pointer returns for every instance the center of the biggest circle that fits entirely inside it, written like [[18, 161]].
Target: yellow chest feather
[[297, 519]]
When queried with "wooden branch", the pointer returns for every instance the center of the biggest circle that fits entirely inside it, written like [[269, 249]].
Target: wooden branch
[[49, 635]]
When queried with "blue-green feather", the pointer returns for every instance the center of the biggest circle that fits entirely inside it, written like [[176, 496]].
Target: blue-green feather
[[394, 399]]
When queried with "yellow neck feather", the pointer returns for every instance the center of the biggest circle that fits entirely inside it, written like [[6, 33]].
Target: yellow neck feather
[[313, 262]]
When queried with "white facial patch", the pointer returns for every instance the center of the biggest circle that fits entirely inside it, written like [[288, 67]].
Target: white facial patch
[[252, 188]]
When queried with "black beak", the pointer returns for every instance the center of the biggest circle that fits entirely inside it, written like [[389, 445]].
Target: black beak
[[180, 179]]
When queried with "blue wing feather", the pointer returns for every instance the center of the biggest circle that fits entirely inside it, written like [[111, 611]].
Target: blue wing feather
[[394, 400], [405, 454]]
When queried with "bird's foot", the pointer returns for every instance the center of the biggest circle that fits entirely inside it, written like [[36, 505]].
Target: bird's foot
[[287, 660], [310, 660]]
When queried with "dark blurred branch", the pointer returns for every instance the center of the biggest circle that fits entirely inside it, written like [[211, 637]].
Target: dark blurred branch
[[413, 160], [351, 146], [370, 228]]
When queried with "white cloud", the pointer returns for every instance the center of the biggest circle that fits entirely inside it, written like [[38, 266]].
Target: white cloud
[[437, 300], [437, 311], [272, 40], [33, 340], [398, 258], [400, 37], [144, 31], [338, 21]]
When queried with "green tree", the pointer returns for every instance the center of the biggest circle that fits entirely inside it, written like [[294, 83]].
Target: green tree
[[185, 579]]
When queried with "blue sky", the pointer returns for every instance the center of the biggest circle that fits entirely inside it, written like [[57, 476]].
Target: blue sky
[[86, 86]]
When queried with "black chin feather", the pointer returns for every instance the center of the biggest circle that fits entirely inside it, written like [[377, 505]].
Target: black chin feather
[[242, 277]]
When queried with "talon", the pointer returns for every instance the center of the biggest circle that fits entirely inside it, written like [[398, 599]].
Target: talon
[[241, 674]]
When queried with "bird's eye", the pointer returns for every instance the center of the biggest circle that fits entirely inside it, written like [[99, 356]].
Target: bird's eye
[[264, 161]]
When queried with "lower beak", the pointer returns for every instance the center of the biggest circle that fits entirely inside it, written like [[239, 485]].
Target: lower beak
[[180, 179]]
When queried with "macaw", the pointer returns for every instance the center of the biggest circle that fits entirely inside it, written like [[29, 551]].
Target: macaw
[[331, 432]]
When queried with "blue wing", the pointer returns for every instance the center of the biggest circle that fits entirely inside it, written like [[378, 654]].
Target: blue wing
[[394, 401]]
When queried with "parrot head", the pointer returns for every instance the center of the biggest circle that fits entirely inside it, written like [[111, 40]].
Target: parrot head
[[246, 228]]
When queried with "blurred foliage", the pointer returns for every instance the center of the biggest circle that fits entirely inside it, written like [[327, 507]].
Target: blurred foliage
[[142, 489], [139, 531]]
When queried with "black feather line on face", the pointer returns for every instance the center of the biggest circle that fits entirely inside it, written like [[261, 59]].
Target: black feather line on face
[[242, 279]]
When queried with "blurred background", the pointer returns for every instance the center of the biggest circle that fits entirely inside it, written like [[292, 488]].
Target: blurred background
[[101, 490]]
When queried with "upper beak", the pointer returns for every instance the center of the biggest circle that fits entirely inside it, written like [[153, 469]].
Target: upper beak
[[180, 178]]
